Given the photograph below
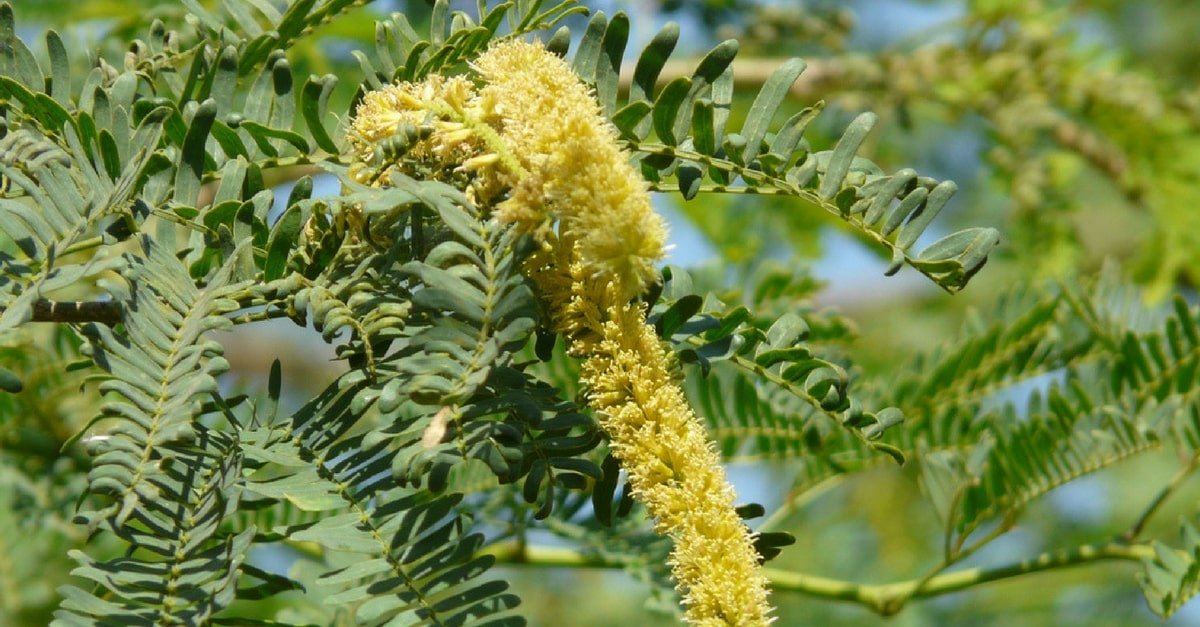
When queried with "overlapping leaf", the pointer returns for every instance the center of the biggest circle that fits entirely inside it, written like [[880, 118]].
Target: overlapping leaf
[[162, 367], [63, 198], [461, 307], [455, 37], [1120, 383], [1062, 440], [418, 564], [1172, 577]]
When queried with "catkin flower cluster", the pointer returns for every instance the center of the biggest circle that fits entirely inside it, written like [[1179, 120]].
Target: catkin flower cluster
[[538, 149], [663, 446], [432, 129]]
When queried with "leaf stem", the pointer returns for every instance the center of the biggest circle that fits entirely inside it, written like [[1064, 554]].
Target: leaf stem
[[952, 557], [884, 599], [759, 178], [887, 599], [276, 163], [258, 316], [87, 244], [798, 500], [796, 390]]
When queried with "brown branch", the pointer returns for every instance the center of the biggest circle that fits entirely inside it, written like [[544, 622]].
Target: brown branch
[[104, 312]]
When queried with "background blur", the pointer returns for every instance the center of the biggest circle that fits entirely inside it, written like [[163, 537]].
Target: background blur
[[1069, 126]]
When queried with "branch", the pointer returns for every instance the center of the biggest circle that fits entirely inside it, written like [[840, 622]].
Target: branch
[[884, 599], [109, 312], [104, 312], [887, 599], [821, 76]]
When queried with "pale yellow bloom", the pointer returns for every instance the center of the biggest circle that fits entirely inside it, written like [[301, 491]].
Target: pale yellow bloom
[[534, 136], [574, 169], [421, 129], [383, 111]]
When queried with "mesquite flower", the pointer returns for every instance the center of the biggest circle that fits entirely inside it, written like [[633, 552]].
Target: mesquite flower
[[537, 147]]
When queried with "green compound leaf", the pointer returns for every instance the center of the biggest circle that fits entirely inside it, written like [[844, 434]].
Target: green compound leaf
[[167, 480], [1172, 577], [693, 152], [765, 391]]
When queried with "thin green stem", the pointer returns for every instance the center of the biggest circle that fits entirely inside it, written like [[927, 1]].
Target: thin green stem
[[884, 599], [792, 388], [667, 188], [1167, 490], [519, 552], [82, 245], [951, 558], [275, 163], [799, 500], [960, 553], [1088, 316], [258, 316], [750, 366], [163, 214], [887, 599]]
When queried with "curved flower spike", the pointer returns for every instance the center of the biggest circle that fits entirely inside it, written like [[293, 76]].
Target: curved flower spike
[[609, 238]]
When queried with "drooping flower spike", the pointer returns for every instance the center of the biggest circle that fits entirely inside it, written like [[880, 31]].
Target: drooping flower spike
[[537, 142]]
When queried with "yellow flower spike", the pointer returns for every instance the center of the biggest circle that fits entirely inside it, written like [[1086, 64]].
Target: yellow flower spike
[[576, 171], [457, 136], [675, 472], [536, 133]]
